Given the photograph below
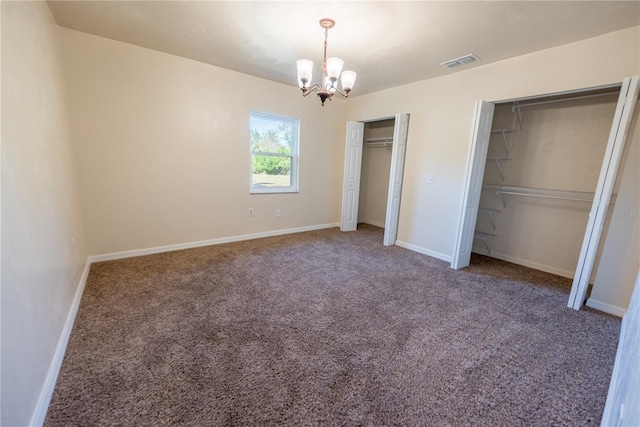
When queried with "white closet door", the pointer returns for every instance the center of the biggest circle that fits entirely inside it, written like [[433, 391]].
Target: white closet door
[[351, 180], [480, 135], [400, 130], [602, 197]]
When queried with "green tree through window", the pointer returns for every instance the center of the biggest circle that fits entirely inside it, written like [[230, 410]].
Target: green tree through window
[[274, 147]]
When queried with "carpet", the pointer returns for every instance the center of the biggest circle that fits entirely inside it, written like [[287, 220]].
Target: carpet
[[329, 328]]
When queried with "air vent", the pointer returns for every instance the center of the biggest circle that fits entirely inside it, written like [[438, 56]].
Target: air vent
[[460, 61]]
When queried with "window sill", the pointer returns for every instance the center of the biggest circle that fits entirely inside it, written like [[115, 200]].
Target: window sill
[[273, 191]]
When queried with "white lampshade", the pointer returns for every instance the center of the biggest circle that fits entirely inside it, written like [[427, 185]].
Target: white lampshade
[[348, 80], [334, 67], [305, 68]]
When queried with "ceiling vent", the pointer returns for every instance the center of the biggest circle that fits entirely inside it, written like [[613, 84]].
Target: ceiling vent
[[460, 61]]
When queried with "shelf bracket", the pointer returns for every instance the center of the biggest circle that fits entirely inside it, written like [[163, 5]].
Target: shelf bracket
[[516, 109], [484, 240], [493, 221], [500, 169], [506, 144], [504, 199], [486, 245]]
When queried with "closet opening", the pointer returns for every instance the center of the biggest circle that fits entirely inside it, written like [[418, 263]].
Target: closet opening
[[543, 180], [374, 165]]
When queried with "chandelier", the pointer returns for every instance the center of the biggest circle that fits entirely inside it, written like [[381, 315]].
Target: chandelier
[[331, 71]]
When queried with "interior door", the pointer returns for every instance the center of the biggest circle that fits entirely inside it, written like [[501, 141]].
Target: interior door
[[351, 180], [481, 132], [602, 197], [400, 130]]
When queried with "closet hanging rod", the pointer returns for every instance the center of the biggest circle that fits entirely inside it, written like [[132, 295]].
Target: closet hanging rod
[[384, 139], [579, 196], [541, 192], [504, 130], [517, 104], [379, 144], [546, 196]]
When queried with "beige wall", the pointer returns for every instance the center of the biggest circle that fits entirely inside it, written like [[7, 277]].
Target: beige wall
[[163, 148], [441, 112], [41, 213]]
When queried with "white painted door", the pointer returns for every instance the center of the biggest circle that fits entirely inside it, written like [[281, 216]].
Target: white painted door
[[481, 132], [400, 129], [602, 197], [351, 180]]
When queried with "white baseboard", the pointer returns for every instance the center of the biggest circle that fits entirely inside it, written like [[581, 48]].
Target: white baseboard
[[168, 248], [526, 263], [607, 308], [372, 222], [40, 411], [421, 250]]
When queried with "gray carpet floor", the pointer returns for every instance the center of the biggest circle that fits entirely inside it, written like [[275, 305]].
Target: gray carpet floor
[[329, 328]]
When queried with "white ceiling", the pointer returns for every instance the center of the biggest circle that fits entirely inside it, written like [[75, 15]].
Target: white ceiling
[[387, 43]]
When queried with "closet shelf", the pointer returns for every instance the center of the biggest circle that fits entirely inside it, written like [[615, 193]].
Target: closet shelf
[[384, 139], [579, 196], [379, 142]]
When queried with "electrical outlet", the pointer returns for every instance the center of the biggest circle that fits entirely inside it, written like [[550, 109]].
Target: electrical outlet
[[250, 211], [277, 213], [430, 179]]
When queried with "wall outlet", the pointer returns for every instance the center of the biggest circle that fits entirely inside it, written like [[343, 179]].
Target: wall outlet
[[430, 179], [277, 213], [250, 211]]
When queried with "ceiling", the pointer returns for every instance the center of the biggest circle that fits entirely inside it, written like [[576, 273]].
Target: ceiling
[[387, 43]]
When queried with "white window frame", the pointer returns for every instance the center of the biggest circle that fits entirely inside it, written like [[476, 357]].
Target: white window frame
[[295, 150]]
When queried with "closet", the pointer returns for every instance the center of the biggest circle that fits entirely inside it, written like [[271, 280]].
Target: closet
[[540, 177], [374, 175]]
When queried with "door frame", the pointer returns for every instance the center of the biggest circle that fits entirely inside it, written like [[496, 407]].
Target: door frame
[[396, 173], [603, 192]]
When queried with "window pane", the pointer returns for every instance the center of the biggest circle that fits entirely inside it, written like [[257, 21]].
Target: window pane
[[271, 171], [274, 142], [271, 136]]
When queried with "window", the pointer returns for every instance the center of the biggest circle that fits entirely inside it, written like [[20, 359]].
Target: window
[[274, 153]]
